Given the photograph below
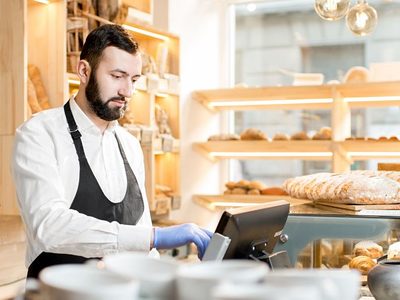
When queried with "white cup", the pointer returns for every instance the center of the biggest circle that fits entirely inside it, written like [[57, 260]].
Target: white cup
[[333, 284], [156, 277], [229, 291], [196, 281], [77, 282]]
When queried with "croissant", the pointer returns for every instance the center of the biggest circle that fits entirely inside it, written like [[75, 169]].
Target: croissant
[[362, 264]]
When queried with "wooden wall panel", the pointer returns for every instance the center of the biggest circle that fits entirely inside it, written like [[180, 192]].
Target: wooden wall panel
[[8, 203], [13, 59]]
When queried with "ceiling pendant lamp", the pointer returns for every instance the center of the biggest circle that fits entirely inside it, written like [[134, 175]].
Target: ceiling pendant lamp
[[362, 18], [332, 10]]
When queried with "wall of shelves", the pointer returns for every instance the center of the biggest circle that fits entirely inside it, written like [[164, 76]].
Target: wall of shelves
[[339, 99]]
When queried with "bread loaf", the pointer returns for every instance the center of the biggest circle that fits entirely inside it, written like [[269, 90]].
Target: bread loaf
[[41, 94], [368, 248], [350, 188], [32, 98]]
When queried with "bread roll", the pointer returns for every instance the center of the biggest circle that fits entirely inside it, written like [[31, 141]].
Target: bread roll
[[325, 133], [356, 75], [230, 185], [244, 184], [253, 134], [253, 192], [256, 185], [362, 264], [302, 135], [394, 251], [239, 191], [224, 137], [228, 192], [281, 137]]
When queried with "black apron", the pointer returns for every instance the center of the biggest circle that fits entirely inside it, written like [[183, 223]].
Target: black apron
[[91, 201]]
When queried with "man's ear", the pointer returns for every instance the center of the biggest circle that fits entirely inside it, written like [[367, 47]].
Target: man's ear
[[83, 71]]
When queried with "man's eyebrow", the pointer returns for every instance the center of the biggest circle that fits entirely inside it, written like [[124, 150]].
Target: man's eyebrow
[[120, 71], [126, 73]]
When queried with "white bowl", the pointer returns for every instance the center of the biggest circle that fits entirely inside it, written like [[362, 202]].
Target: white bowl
[[156, 277], [196, 281], [229, 291], [333, 284], [76, 282]]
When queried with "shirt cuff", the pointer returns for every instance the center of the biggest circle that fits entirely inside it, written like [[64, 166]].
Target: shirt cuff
[[134, 237]]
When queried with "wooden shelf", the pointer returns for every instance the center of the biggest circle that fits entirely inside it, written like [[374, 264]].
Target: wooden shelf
[[218, 202], [301, 97], [311, 150], [306, 150], [364, 150]]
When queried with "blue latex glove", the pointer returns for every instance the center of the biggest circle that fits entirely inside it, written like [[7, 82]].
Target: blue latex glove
[[179, 235]]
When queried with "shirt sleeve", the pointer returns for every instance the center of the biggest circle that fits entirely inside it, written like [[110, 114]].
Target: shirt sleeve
[[49, 221]]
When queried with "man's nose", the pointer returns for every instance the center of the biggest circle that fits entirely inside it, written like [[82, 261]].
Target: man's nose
[[127, 89]]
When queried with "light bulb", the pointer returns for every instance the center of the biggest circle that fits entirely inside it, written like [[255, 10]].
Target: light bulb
[[362, 18], [331, 10]]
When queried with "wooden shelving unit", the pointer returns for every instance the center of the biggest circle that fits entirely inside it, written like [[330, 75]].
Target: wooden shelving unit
[[339, 99], [301, 97]]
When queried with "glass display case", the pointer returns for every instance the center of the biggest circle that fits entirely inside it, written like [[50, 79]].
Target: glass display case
[[315, 237]]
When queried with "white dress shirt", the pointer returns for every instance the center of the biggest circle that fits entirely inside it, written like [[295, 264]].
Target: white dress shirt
[[45, 168]]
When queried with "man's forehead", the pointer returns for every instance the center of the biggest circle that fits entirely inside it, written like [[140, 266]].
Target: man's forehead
[[120, 59]]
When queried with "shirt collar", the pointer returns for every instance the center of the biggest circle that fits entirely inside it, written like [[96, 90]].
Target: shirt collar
[[84, 123]]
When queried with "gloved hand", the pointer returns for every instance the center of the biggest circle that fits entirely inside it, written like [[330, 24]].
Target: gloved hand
[[179, 235]]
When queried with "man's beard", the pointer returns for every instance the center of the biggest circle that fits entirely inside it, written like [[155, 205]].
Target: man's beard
[[98, 106]]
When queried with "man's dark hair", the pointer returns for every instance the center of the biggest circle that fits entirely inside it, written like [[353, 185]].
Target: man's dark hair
[[103, 37]]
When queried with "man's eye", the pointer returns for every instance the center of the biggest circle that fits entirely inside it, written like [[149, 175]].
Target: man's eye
[[116, 76]]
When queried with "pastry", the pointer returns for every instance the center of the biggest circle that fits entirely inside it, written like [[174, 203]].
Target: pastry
[[228, 192], [362, 264], [382, 138], [299, 136], [368, 248], [393, 139], [281, 137], [224, 137], [253, 134], [394, 251]]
